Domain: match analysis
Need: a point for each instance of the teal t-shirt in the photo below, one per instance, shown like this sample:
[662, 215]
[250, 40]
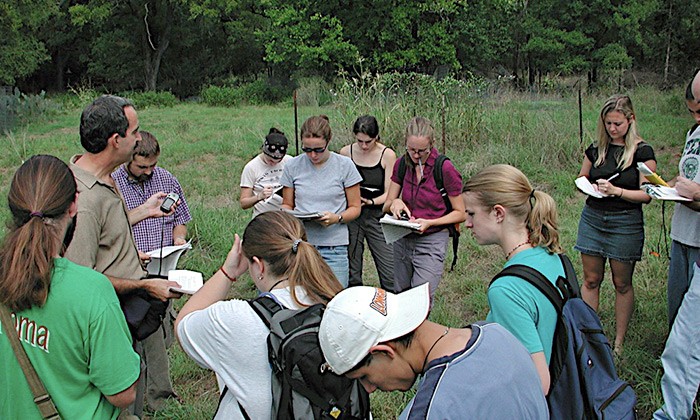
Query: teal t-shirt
[78, 343]
[521, 308]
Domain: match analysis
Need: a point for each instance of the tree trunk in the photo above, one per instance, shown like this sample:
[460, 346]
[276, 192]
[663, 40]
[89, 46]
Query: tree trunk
[60, 82]
[155, 44]
[668, 41]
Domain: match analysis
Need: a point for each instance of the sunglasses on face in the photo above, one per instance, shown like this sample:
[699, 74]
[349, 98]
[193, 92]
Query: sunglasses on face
[314, 149]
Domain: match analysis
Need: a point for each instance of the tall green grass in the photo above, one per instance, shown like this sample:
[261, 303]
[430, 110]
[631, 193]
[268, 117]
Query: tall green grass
[206, 148]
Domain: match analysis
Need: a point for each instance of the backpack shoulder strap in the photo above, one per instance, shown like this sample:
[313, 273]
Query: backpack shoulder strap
[536, 279]
[439, 178]
[266, 306]
[569, 286]
[402, 169]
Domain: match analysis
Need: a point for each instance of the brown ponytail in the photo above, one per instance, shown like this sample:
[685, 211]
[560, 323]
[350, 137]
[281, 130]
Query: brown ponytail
[41, 193]
[280, 240]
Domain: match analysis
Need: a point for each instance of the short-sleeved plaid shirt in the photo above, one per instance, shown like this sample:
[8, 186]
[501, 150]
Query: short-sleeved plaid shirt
[147, 233]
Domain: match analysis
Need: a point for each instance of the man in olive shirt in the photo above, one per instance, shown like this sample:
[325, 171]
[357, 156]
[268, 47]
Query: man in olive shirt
[103, 239]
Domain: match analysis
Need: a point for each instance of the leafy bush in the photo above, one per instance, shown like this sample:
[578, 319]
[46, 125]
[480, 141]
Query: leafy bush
[221, 96]
[264, 91]
[258, 92]
[162, 99]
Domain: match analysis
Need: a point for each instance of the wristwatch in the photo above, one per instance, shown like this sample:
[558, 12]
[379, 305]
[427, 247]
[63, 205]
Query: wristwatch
[340, 218]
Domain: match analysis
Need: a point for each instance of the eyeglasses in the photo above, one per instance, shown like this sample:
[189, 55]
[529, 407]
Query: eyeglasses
[314, 149]
[417, 152]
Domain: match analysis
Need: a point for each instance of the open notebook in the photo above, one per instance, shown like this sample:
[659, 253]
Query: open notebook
[170, 255]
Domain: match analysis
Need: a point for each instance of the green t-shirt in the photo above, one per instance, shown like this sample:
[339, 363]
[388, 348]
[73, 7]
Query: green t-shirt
[78, 343]
[521, 308]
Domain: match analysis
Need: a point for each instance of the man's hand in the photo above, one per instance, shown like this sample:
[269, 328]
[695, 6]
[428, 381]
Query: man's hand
[160, 288]
[151, 208]
[145, 259]
[177, 241]
[152, 205]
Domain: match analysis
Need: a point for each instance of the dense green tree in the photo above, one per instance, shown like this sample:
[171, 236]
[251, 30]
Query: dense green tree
[183, 45]
[300, 38]
[21, 50]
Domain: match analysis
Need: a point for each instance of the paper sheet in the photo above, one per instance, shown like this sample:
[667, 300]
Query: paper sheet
[583, 184]
[660, 192]
[395, 229]
[304, 216]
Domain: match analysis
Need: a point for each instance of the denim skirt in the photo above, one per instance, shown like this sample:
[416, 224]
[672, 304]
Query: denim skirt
[617, 235]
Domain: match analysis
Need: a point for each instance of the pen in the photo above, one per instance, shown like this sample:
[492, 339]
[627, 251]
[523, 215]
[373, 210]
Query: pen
[613, 177]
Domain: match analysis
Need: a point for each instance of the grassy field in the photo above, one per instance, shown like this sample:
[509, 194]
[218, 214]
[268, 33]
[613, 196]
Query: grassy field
[207, 147]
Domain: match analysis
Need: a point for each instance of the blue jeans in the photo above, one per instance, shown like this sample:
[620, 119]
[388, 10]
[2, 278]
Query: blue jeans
[680, 274]
[337, 259]
[681, 357]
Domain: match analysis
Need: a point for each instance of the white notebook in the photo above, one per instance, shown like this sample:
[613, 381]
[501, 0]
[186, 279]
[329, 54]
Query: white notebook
[189, 281]
[170, 254]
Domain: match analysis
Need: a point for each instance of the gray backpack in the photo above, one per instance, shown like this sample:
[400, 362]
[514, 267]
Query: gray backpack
[301, 389]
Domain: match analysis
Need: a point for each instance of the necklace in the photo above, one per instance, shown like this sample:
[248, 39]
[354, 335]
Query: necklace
[277, 284]
[425, 361]
[508, 255]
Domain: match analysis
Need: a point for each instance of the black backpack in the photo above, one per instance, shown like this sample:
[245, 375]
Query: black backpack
[301, 389]
[440, 184]
[584, 383]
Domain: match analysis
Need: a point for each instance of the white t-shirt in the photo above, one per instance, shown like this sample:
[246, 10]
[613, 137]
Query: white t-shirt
[258, 175]
[229, 338]
[685, 224]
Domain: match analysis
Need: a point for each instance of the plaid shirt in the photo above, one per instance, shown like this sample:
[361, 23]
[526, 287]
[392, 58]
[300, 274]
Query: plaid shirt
[147, 232]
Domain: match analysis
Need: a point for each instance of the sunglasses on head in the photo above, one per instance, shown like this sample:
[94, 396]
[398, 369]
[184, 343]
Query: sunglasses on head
[314, 149]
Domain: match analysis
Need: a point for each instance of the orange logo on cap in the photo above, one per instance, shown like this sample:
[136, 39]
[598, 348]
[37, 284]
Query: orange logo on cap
[379, 301]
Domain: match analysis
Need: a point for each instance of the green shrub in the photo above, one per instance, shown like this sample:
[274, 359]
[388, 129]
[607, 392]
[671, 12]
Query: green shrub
[162, 99]
[221, 96]
[263, 91]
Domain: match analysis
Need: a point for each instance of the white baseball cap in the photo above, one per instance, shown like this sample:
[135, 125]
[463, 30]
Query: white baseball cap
[359, 318]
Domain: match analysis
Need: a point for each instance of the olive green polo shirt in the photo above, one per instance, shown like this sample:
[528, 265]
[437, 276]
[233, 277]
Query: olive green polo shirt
[103, 239]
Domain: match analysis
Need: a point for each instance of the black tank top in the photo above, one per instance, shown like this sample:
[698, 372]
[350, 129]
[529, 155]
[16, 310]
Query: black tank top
[372, 185]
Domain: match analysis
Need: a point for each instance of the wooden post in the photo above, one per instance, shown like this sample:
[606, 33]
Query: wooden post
[296, 123]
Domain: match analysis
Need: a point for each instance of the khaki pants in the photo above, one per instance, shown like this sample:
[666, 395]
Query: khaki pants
[154, 386]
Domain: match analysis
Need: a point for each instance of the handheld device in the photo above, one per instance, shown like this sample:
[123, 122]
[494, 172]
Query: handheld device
[168, 202]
